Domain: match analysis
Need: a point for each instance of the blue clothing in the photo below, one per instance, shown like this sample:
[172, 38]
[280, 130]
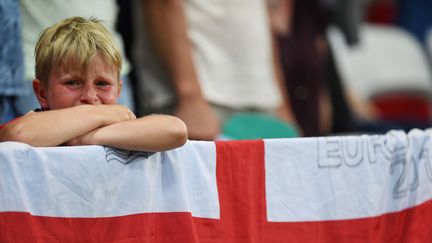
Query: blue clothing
[415, 16]
[11, 59]
[7, 110]
[11, 55]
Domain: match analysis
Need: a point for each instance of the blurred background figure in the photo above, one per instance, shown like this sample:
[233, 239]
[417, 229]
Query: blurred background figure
[345, 75]
[38, 15]
[348, 15]
[206, 61]
[303, 52]
[11, 59]
[349, 110]
[386, 73]
[319, 99]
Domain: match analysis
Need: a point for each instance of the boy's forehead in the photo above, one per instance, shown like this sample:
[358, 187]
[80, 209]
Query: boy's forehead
[72, 69]
[77, 67]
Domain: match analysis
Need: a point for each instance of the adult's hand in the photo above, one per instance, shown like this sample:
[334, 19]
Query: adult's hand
[201, 121]
[285, 114]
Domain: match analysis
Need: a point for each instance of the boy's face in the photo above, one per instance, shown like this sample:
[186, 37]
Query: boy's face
[70, 86]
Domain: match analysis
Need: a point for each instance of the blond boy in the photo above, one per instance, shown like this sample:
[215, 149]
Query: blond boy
[77, 85]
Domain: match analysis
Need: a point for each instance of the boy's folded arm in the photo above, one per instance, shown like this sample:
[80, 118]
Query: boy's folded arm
[55, 127]
[150, 133]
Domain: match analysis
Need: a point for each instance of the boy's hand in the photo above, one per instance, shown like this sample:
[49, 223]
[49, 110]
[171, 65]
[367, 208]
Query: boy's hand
[84, 139]
[73, 142]
[111, 114]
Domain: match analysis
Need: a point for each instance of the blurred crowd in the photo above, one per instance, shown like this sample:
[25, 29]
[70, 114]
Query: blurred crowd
[208, 62]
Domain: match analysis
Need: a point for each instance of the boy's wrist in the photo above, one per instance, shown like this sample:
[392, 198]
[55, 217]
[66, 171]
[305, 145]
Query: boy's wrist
[88, 138]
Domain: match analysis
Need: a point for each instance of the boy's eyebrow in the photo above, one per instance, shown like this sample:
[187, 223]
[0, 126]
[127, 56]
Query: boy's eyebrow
[70, 75]
[106, 78]
[64, 76]
[74, 71]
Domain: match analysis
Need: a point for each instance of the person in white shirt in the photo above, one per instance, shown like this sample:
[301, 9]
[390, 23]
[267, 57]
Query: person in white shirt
[206, 61]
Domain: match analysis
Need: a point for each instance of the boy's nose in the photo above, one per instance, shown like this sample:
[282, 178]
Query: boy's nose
[89, 96]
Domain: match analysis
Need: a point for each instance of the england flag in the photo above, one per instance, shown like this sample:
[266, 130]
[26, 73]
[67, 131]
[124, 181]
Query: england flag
[314, 190]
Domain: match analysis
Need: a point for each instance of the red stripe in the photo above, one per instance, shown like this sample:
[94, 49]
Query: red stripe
[150, 227]
[410, 225]
[241, 186]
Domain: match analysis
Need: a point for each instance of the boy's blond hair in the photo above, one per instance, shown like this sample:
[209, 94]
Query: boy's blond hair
[74, 41]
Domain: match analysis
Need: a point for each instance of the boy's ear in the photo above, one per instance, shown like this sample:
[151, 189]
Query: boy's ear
[40, 92]
[120, 87]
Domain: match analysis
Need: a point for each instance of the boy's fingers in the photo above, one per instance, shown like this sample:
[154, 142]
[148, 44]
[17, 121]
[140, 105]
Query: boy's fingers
[131, 115]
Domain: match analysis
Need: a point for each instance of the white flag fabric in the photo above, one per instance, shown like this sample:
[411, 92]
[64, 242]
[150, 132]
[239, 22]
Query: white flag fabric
[347, 177]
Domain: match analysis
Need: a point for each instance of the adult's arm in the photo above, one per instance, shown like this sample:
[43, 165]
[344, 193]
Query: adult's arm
[280, 14]
[167, 26]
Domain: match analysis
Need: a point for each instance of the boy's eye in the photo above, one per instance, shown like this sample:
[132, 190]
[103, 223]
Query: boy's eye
[103, 83]
[73, 82]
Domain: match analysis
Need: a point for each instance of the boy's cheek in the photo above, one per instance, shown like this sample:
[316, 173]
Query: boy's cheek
[109, 99]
